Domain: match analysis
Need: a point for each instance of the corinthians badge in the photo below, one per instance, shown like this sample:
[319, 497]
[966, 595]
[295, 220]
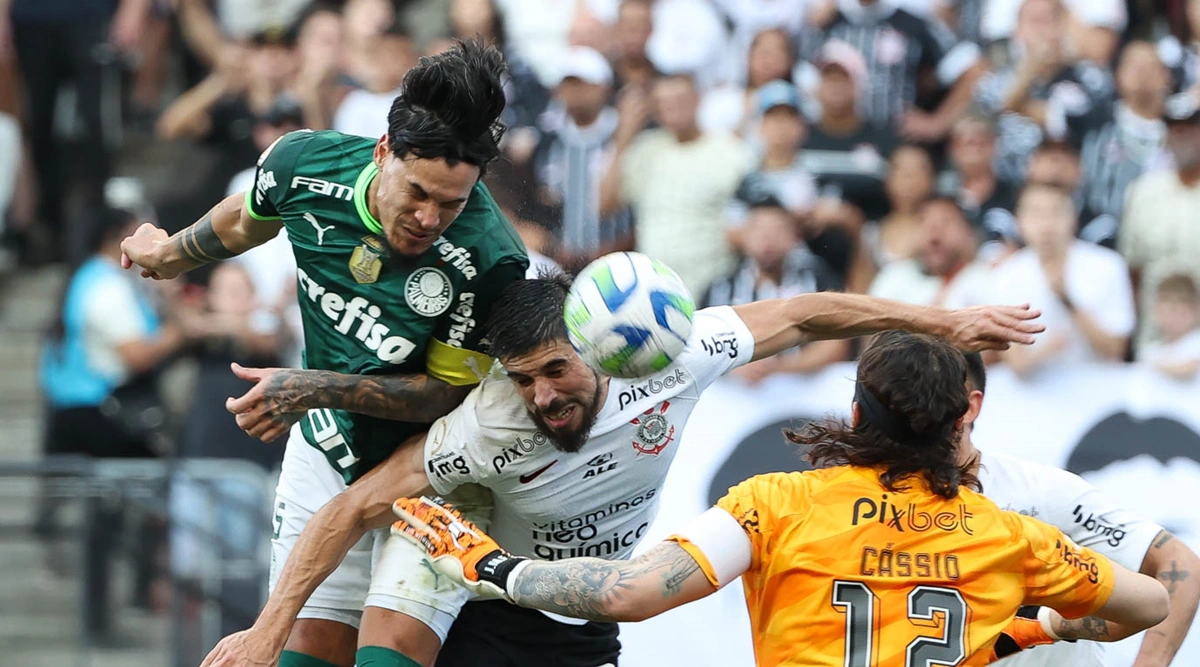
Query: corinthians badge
[654, 432]
[365, 261]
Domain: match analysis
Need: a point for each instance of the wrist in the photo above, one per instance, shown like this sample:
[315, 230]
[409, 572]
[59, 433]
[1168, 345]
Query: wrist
[500, 569]
[1046, 618]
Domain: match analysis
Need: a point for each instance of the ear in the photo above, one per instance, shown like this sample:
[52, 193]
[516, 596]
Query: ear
[382, 149]
[974, 406]
[854, 414]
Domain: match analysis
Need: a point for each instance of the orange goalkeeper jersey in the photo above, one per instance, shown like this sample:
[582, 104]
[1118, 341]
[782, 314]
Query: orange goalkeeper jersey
[847, 574]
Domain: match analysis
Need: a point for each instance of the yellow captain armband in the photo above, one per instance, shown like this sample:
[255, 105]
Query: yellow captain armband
[455, 365]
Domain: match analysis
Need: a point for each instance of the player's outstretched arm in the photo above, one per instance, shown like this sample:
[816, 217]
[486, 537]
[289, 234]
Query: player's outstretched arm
[281, 395]
[322, 545]
[663, 578]
[779, 324]
[225, 231]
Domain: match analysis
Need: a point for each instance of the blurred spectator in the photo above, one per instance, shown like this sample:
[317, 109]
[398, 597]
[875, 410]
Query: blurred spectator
[734, 107]
[749, 18]
[987, 200]
[847, 156]
[689, 38]
[909, 182]
[1039, 78]
[364, 111]
[319, 47]
[1182, 54]
[363, 21]
[678, 180]
[1093, 27]
[896, 45]
[98, 375]
[964, 17]
[780, 173]
[1159, 234]
[635, 24]
[59, 43]
[219, 520]
[778, 265]
[240, 19]
[1177, 317]
[1118, 142]
[945, 271]
[572, 156]
[1082, 289]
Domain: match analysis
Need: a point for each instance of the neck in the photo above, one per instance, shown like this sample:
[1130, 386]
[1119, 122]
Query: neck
[967, 453]
[1189, 176]
[1148, 110]
[778, 157]
[585, 118]
[687, 135]
[372, 198]
[840, 125]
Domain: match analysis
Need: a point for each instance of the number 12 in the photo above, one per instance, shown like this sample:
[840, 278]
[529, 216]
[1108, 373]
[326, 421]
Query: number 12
[857, 602]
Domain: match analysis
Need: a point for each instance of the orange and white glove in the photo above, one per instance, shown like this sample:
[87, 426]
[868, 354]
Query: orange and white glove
[456, 546]
[1026, 630]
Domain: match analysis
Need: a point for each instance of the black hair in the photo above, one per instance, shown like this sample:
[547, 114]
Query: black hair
[528, 314]
[917, 385]
[937, 197]
[449, 106]
[1057, 146]
[976, 371]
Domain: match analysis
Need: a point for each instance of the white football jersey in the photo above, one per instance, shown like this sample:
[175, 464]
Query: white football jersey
[600, 500]
[1084, 514]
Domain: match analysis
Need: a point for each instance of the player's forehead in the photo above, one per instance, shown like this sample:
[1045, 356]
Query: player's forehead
[544, 359]
[438, 178]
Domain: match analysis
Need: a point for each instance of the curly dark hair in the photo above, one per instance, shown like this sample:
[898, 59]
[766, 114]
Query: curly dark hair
[920, 382]
[528, 314]
[449, 106]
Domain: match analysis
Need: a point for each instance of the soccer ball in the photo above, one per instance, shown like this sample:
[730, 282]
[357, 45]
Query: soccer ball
[628, 316]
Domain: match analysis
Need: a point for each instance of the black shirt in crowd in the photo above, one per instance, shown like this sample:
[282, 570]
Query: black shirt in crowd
[851, 167]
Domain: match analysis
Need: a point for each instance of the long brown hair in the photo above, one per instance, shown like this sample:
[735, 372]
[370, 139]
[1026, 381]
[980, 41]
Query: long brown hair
[911, 393]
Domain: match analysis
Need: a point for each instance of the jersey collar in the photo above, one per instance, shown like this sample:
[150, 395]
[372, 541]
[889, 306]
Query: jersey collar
[368, 174]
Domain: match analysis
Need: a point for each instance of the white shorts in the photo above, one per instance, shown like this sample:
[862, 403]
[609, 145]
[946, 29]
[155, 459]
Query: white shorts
[404, 579]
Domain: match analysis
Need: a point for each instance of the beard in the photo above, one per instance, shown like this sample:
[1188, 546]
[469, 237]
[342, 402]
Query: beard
[571, 441]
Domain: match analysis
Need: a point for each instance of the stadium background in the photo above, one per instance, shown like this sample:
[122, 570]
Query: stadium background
[748, 187]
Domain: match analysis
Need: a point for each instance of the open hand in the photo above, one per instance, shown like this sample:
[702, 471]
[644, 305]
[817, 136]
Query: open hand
[270, 407]
[992, 327]
[243, 649]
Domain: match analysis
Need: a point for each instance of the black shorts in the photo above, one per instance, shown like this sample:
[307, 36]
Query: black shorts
[494, 633]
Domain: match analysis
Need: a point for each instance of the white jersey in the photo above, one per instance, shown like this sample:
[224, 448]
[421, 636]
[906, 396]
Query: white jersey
[1084, 514]
[599, 501]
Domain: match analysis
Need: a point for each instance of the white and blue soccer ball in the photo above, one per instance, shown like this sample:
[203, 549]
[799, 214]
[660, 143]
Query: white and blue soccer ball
[628, 315]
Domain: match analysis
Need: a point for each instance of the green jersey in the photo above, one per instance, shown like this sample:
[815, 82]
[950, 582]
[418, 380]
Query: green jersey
[367, 310]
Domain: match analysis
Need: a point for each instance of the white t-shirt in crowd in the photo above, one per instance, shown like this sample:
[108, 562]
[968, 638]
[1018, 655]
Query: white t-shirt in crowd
[1082, 512]
[1181, 351]
[906, 281]
[1096, 281]
[364, 114]
[678, 193]
[112, 317]
[599, 501]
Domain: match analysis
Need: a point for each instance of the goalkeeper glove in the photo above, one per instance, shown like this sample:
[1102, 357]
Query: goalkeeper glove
[1023, 631]
[456, 547]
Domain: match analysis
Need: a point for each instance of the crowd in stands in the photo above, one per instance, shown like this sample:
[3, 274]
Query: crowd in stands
[941, 152]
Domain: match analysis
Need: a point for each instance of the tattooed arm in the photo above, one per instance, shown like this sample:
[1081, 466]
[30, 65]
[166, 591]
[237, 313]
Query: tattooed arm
[1178, 568]
[281, 395]
[611, 590]
[1175, 566]
[225, 231]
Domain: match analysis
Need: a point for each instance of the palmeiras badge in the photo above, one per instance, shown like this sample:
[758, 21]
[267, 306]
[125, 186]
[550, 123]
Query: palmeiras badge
[365, 261]
[654, 432]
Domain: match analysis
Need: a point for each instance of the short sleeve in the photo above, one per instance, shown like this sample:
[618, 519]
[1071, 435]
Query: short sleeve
[455, 353]
[1112, 291]
[1074, 581]
[757, 503]
[720, 342]
[1091, 519]
[941, 49]
[272, 175]
[635, 169]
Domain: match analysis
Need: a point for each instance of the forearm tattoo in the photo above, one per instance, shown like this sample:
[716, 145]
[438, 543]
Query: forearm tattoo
[200, 243]
[411, 398]
[1089, 628]
[593, 589]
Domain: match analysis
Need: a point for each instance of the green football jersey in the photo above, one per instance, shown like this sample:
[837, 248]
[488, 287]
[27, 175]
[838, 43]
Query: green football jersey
[367, 310]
